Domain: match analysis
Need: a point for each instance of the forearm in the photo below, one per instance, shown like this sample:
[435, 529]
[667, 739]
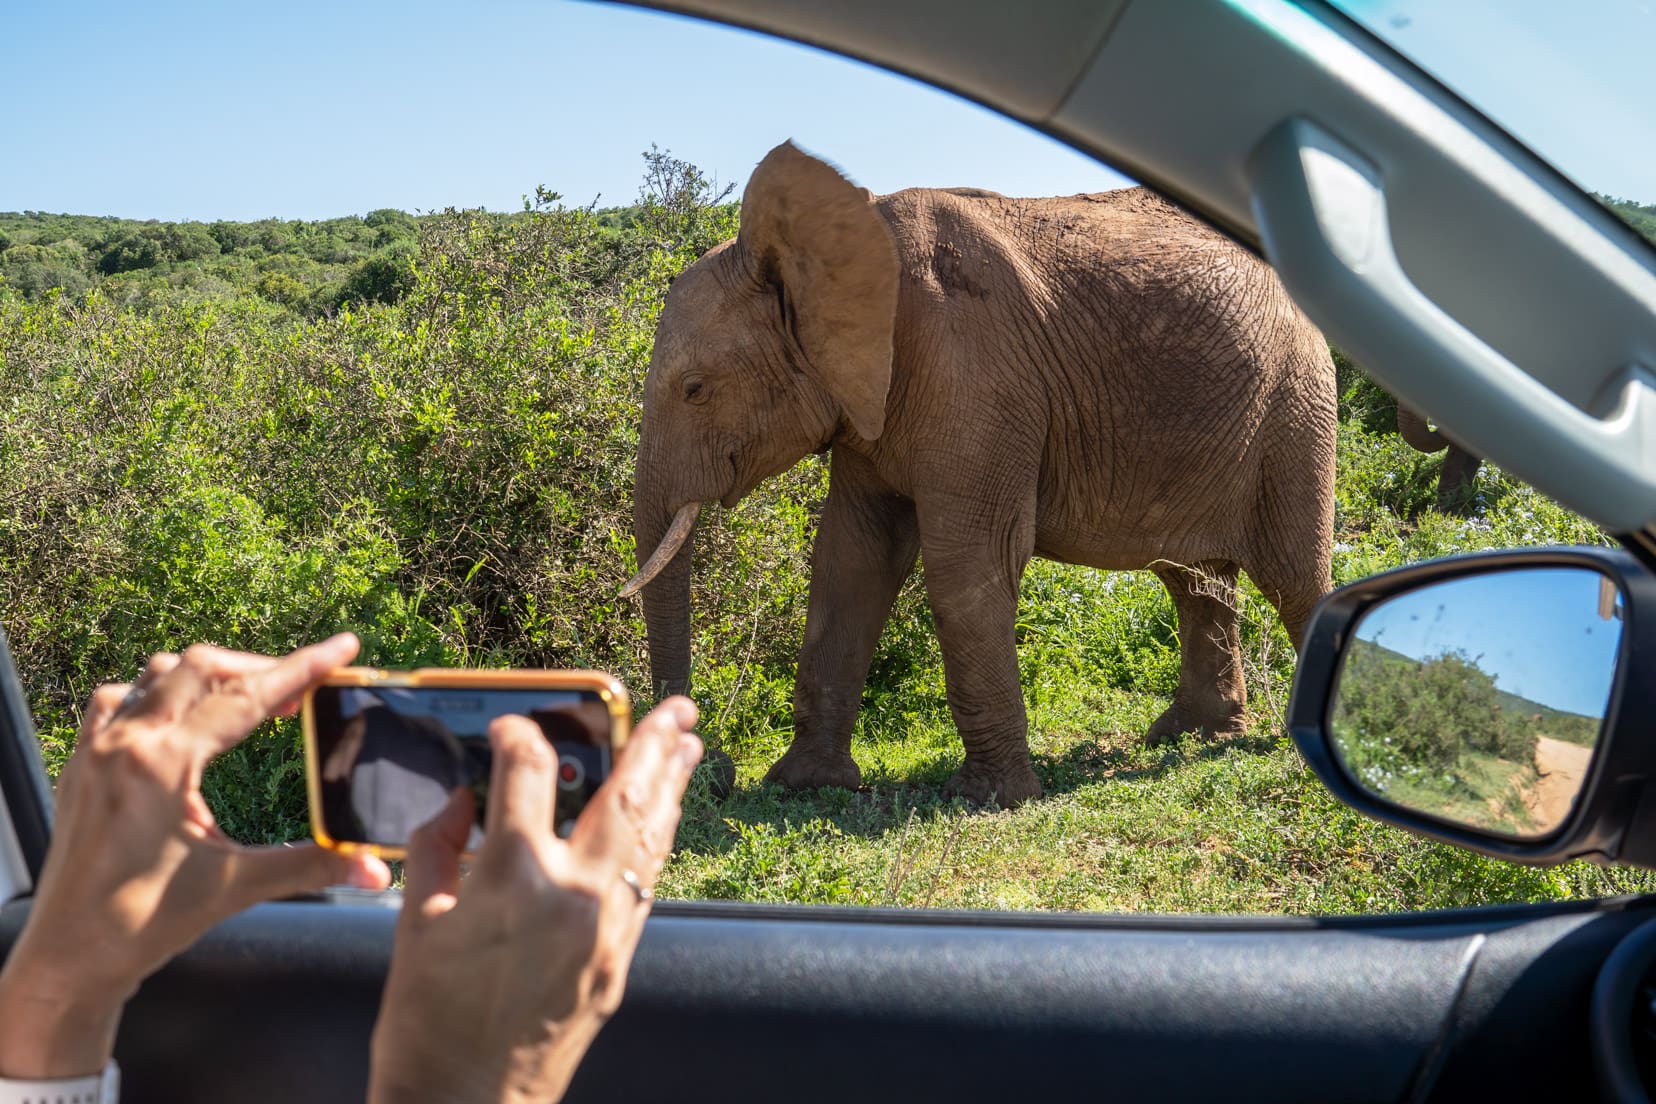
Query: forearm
[460, 1071]
[47, 1031]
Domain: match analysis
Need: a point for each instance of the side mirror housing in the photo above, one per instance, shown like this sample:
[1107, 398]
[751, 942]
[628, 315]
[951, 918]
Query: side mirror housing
[1498, 701]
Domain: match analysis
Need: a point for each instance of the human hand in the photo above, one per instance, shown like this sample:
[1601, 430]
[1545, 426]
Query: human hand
[499, 983]
[138, 869]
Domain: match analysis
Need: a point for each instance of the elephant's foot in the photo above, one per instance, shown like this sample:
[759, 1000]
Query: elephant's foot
[720, 770]
[809, 769]
[1216, 719]
[984, 783]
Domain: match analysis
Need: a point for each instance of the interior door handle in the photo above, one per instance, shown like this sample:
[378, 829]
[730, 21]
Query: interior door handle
[1322, 214]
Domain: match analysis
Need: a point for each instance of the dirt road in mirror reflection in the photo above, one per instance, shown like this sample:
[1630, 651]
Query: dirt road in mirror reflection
[1563, 769]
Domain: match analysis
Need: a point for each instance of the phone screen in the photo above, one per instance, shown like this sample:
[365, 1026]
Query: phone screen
[387, 758]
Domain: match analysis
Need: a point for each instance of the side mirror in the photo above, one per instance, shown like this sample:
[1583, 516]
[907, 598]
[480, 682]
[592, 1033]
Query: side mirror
[1498, 701]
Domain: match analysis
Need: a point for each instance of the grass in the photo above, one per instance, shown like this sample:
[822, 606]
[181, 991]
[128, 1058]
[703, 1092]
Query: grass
[1487, 791]
[1236, 825]
[1224, 826]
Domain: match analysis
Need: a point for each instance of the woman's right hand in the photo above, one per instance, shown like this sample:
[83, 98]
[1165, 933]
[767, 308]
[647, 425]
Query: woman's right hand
[499, 982]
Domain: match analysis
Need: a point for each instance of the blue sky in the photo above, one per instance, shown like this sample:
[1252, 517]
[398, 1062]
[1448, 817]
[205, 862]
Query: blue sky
[1538, 632]
[186, 109]
[178, 110]
[305, 110]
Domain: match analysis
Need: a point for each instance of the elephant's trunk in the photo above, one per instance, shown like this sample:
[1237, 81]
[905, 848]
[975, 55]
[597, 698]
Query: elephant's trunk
[1412, 427]
[665, 581]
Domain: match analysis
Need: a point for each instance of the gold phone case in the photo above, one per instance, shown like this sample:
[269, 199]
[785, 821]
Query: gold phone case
[606, 686]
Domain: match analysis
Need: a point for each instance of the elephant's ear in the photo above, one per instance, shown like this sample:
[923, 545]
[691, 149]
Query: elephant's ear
[819, 238]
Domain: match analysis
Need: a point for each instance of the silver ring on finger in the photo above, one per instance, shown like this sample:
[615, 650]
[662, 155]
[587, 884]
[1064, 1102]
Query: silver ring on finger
[633, 882]
[133, 699]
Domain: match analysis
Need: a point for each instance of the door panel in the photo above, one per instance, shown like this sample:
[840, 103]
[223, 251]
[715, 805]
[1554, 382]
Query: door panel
[744, 1004]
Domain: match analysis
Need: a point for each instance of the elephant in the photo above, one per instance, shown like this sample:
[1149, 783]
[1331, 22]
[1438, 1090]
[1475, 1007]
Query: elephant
[1099, 379]
[1460, 467]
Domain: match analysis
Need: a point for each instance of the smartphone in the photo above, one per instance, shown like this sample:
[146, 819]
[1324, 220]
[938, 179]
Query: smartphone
[385, 749]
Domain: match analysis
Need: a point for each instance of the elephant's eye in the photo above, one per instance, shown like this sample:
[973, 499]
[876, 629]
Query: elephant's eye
[695, 391]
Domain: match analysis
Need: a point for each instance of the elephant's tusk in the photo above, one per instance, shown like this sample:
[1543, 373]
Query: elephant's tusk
[677, 533]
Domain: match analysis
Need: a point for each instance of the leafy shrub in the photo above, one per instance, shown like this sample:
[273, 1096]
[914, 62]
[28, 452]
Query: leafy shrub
[1419, 720]
[281, 288]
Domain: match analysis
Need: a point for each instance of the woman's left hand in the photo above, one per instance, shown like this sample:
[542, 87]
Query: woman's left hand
[138, 869]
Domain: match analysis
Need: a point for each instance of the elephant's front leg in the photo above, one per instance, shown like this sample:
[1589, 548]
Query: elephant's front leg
[865, 547]
[972, 582]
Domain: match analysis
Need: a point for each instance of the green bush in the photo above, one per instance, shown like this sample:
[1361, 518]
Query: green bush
[1420, 720]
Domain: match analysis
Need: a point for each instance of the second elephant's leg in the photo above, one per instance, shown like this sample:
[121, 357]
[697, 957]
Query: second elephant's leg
[865, 547]
[1211, 699]
[973, 589]
[1457, 483]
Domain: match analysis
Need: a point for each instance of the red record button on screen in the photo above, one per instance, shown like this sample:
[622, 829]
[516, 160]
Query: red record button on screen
[570, 772]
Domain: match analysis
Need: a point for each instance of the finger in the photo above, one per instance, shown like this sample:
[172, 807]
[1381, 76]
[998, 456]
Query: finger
[432, 868]
[270, 873]
[655, 738]
[287, 708]
[658, 823]
[680, 709]
[159, 664]
[263, 686]
[172, 685]
[290, 706]
[105, 702]
[131, 700]
[367, 872]
[198, 815]
[653, 841]
[522, 786]
[635, 817]
[298, 671]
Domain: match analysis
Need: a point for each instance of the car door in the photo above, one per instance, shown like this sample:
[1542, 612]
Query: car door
[1289, 127]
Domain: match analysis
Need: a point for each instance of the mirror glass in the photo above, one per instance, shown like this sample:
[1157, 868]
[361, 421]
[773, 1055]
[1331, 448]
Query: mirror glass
[1479, 700]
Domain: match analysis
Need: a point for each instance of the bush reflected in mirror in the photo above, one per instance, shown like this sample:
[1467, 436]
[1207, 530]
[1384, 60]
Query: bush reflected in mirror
[1479, 700]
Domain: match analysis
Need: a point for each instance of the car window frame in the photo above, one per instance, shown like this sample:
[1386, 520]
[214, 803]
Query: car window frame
[25, 789]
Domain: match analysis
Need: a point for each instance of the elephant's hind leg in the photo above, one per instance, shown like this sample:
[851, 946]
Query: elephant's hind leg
[1211, 699]
[865, 547]
[1293, 588]
[1458, 480]
[1290, 555]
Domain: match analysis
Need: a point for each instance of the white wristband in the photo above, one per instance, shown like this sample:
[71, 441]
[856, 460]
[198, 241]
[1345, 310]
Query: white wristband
[100, 1088]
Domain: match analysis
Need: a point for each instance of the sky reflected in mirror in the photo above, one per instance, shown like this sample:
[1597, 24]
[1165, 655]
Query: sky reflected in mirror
[1542, 633]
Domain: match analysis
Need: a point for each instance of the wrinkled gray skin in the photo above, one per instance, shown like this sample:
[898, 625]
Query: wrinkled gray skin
[1460, 467]
[1098, 379]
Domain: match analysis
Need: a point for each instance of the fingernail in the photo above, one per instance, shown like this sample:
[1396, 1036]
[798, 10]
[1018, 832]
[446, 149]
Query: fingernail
[369, 874]
[686, 713]
[689, 752]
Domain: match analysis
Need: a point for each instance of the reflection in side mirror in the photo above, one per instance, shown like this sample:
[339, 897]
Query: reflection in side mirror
[1480, 700]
